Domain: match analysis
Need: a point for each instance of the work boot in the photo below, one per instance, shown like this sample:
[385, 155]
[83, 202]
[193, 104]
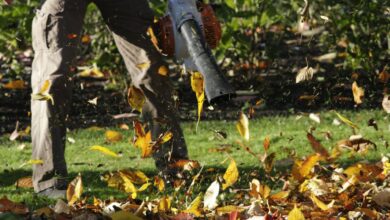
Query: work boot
[53, 193]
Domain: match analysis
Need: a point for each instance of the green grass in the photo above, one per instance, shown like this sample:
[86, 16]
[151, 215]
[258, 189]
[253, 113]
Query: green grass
[287, 134]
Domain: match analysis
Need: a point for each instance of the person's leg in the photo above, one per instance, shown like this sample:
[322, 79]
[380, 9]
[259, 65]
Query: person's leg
[55, 33]
[128, 20]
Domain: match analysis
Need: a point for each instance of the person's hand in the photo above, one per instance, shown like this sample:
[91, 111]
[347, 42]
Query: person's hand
[8, 2]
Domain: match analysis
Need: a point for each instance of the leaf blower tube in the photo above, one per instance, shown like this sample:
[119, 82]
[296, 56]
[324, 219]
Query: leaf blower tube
[217, 88]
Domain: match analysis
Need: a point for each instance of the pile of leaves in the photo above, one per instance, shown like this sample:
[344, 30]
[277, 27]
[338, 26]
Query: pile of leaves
[316, 186]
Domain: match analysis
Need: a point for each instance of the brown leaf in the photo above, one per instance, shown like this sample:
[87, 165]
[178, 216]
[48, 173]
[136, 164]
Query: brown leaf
[266, 143]
[24, 182]
[16, 84]
[269, 161]
[317, 146]
[363, 172]
[7, 205]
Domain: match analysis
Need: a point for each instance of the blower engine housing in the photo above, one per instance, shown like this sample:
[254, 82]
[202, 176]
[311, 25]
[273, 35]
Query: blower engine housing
[210, 26]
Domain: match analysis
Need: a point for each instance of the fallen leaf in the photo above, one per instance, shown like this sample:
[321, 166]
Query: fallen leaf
[197, 85]
[7, 205]
[194, 207]
[320, 204]
[74, 191]
[282, 195]
[210, 197]
[258, 190]
[326, 58]
[229, 209]
[266, 143]
[136, 98]
[295, 214]
[382, 198]
[386, 103]
[185, 164]
[113, 136]
[104, 150]
[93, 101]
[358, 93]
[315, 117]
[304, 74]
[24, 182]
[269, 161]
[124, 215]
[363, 172]
[164, 204]
[243, 126]
[317, 146]
[231, 175]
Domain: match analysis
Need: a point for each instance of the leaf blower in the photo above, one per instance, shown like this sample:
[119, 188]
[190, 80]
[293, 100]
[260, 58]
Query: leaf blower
[188, 32]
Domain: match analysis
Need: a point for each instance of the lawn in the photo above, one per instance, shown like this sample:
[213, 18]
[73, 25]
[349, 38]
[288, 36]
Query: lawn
[287, 135]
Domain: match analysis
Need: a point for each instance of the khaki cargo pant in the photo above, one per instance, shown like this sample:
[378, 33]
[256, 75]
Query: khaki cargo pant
[128, 21]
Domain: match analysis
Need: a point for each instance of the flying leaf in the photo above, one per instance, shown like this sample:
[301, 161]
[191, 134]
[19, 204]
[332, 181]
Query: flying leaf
[136, 98]
[104, 150]
[194, 207]
[243, 126]
[43, 94]
[15, 134]
[185, 164]
[197, 85]
[113, 136]
[74, 191]
[346, 121]
[295, 214]
[320, 204]
[358, 93]
[16, 84]
[386, 103]
[93, 101]
[136, 177]
[269, 161]
[129, 187]
[210, 197]
[143, 140]
[317, 146]
[231, 175]
[304, 74]
[163, 70]
[301, 169]
[35, 162]
[266, 143]
[143, 66]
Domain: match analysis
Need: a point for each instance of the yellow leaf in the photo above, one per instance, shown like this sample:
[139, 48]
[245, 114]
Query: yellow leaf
[43, 97]
[144, 187]
[75, 189]
[104, 150]
[165, 204]
[143, 66]
[346, 121]
[243, 126]
[197, 85]
[363, 172]
[16, 84]
[358, 93]
[280, 195]
[229, 209]
[128, 185]
[301, 169]
[93, 72]
[258, 190]
[35, 162]
[136, 177]
[295, 214]
[320, 204]
[145, 144]
[123, 215]
[159, 183]
[136, 98]
[163, 70]
[113, 136]
[194, 207]
[166, 137]
[231, 175]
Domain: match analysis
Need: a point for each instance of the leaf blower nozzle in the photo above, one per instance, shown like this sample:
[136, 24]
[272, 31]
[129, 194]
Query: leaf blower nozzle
[187, 33]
